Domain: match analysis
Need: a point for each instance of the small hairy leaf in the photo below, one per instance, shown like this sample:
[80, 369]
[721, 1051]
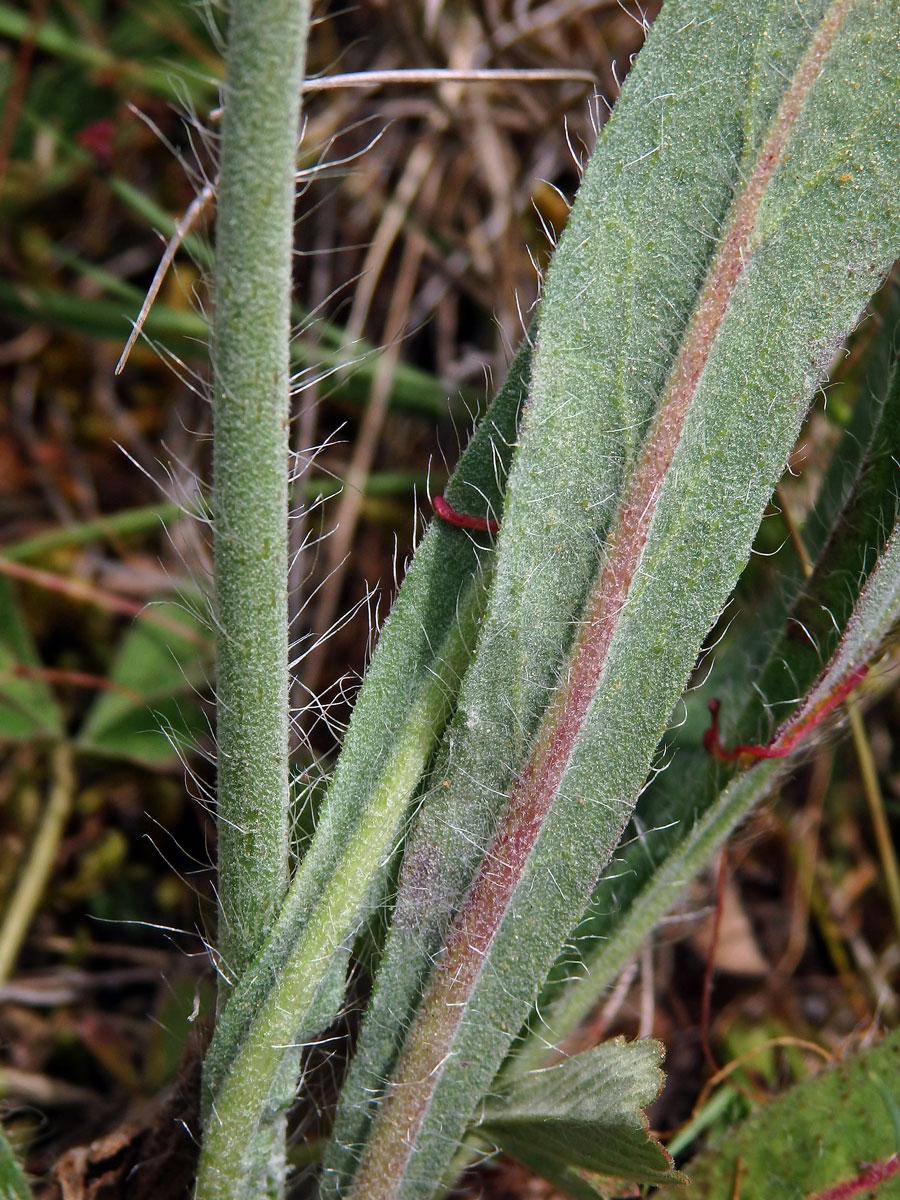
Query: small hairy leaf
[585, 1113]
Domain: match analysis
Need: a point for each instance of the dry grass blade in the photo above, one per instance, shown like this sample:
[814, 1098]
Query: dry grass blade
[182, 228]
[438, 75]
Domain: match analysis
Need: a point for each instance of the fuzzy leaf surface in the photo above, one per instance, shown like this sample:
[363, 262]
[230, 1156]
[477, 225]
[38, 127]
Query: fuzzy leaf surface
[711, 267]
[762, 670]
[586, 1112]
[699, 813]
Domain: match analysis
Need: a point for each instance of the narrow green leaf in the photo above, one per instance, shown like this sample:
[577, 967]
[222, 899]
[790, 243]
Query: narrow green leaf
[820, 1133]
[181, 329]
[120, 524]
[185, 333]
[153, 713]
[28, 708]
[150, 517]
[762, 670]
[53, 38]
[586, 1112]
[694, 304]
[701, 815]
[871, 431]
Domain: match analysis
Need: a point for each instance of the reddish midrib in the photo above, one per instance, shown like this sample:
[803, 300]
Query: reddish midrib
[431, 1039]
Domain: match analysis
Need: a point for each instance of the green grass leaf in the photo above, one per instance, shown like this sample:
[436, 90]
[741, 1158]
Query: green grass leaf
[28, 708]
[184, 333]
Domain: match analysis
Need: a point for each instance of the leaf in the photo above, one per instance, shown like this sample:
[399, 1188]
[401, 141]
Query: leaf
[818, 1134]
[585, 1113]
[686, 811]
[28, 708]
[13, 1184]
[731, 225]
[703, 814]
[580, 1185]
[153, 714]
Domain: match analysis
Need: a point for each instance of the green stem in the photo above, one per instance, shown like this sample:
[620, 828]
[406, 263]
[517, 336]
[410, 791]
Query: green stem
[265, 66]
[280, 1002]
[264, 76]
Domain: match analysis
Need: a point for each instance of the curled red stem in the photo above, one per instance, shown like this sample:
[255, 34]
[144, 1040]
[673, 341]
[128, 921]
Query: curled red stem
[783, 743]
[463, 520]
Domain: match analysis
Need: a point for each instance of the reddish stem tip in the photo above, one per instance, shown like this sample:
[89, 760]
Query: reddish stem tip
[447, 513]
[782, 746]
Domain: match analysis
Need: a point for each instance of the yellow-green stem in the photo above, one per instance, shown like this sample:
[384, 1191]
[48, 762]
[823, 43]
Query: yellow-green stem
[36, 871]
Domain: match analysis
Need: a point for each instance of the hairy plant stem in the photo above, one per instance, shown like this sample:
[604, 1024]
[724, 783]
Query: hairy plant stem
[254, 236]
[265, 68]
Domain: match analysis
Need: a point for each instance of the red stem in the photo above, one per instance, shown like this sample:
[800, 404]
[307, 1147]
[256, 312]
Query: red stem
[463, 520]
[790, 735]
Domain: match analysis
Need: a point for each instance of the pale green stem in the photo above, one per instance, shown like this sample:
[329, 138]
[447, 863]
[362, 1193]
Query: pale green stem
[265, 66]
[251, 333]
